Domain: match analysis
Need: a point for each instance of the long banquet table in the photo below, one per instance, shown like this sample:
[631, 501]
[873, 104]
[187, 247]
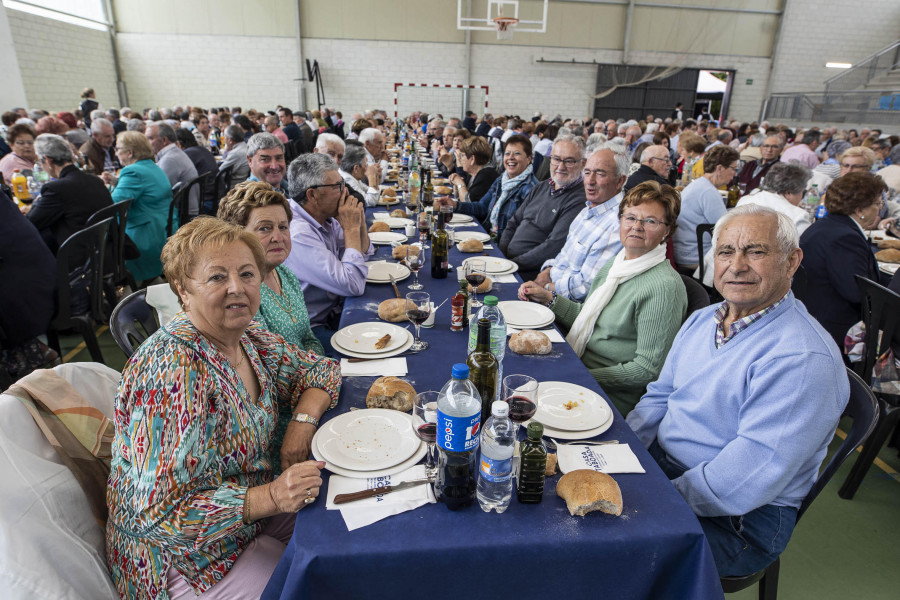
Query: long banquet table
[655, 549]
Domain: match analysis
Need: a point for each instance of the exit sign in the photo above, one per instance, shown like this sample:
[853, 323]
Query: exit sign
[749, 82]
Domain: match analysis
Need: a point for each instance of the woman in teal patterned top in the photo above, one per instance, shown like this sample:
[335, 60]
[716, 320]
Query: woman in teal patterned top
[263, 211]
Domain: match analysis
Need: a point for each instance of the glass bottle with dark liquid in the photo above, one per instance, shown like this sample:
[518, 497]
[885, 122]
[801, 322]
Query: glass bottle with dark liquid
[440, 247]
[428, 191]
[484, 368]
[530, 484]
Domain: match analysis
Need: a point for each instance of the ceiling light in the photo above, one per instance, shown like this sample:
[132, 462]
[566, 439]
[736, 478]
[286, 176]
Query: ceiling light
[837, 65]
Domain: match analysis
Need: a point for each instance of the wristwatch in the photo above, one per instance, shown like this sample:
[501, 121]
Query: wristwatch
[305, 418]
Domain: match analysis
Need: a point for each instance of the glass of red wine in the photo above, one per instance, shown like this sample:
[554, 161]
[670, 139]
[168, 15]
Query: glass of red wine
[414, 262]
[418, 309]
[423, 222]
[475, 275]
[521, 393]
[424, 424]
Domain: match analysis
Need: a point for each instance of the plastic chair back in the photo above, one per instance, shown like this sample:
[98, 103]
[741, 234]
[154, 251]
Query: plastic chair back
[222, 185]
[880, 312]
[798, 283]
[119, 212]
[181, 202]
[696, 295]
[131, 312]
[703, 229]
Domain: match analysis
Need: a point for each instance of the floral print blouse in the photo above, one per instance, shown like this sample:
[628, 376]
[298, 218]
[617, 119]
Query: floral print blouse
[189, 442]
[286, 314]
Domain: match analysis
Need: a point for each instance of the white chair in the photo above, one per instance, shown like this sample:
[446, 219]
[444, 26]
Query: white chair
[50, 544]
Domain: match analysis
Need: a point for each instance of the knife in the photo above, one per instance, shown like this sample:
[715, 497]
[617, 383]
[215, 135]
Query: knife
[394, 283]
[384, 489]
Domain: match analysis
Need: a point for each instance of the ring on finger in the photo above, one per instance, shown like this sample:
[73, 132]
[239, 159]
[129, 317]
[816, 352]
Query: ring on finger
[309, 497]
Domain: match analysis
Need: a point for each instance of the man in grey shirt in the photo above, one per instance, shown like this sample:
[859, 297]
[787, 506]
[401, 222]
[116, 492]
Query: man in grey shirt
[236, 155]
[177, 166]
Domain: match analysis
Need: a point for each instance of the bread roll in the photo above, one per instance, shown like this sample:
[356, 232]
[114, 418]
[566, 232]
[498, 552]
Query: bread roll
[550, 467]
[394, 309]
[585, 491]
[470, 245]
[485, 286]
[399, 213]
[392, 393]
[389, 192]
[379, 226]
[886, 244]
[530, 342]
[442, 190]
[891, 255]
[399, 253]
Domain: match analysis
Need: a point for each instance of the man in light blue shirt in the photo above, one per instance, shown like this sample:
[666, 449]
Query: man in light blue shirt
[749, 397]
[594, 234]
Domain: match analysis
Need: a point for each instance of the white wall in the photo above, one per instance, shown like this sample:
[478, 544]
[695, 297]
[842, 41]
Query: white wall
[58, 60]
[818, 31]
[208, 70]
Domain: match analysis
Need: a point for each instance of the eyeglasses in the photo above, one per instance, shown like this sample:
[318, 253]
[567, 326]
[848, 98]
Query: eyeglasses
[648, 223]
[24, 143]
[512, 153]
[569, 162]
[770, 146]
[339, 184]
[843, 166]
[665, 160]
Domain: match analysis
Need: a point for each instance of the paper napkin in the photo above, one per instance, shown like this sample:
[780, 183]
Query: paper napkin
[370, 510]
[610, 458]
[374, 368]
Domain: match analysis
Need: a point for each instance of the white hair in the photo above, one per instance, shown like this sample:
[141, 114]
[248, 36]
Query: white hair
[620, 156]
[329, 138]
[368, 135]
[652, 127]
[787, 236]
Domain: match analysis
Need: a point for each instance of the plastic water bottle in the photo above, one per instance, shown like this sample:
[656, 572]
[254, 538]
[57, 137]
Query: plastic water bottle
[491, 311]
[812, 200]
[458, 427]
[498, 441]
[40, 175]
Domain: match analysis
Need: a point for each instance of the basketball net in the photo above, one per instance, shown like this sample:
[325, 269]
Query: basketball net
[506, 26]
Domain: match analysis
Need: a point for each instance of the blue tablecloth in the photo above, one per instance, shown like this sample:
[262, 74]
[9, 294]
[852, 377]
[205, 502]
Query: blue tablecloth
[655, 549]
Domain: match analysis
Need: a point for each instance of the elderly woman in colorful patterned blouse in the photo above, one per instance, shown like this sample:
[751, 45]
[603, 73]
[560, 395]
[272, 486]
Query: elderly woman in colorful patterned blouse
[197, 506]
[263, 211]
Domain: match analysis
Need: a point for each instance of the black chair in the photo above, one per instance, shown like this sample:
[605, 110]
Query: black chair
[92, 242]
[696, 295]
[130, 313]
[703, 229]
[880, 313]
[222, 185]
[862, 409]
[798, 283]
[181, 201]
[117, 273]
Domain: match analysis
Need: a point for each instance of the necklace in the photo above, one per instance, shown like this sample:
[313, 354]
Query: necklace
[290, 305]
[241, 361]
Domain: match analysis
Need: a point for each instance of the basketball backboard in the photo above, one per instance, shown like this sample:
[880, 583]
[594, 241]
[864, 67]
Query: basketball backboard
[502, 16]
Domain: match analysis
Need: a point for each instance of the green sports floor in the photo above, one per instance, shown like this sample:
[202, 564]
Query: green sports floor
[840, 550]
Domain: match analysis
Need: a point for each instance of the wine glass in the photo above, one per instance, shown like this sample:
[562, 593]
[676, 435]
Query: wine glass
[521, 393]
[475, 275]
[418, 309]
[414, 262]
[424, 223]
[424, 424]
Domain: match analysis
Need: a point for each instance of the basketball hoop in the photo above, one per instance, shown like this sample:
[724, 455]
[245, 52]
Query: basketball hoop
[506, 26]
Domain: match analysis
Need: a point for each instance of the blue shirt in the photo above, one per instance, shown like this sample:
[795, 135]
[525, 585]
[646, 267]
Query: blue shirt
[750, 421]
[700, 203]
[593, 240]
[282, 186]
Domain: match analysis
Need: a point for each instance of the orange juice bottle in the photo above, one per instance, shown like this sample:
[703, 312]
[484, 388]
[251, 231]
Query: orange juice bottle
[20, 187]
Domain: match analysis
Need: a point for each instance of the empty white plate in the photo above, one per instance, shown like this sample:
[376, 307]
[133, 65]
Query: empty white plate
[471, 235]
[570, 407]
[560, 434]
[525, 315]
[496, 266]
[460, 218]
[362, 337]
[380, 271]
[366, 440]
[386, 237]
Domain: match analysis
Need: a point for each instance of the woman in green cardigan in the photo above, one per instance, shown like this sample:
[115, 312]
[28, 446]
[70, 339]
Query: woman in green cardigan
[636, 304]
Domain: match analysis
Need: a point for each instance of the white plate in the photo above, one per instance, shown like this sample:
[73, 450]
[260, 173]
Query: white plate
[398, 222]
[495, 266]
[589, 411]
[354, 354]
[876, 235]
[889, 268]
[361, 337]
[367, 440]
[524, 315]
[460, 218]
[559, 434]
[386, 237]
[380, 271]
[471, 235]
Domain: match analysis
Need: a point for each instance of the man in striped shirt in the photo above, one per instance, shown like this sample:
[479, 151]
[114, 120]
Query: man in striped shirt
[594, 234]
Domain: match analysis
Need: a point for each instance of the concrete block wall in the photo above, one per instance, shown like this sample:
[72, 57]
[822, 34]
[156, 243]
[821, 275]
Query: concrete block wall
[209, 70]
[58, 60]
[814, 33]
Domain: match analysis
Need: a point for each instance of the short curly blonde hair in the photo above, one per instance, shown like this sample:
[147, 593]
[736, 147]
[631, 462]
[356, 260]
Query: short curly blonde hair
[180, 254]
[236, 206]
[136, 143]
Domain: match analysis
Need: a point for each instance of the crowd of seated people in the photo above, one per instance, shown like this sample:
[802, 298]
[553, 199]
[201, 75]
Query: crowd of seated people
[600, 215]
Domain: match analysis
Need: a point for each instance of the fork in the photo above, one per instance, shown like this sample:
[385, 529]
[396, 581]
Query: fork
[553, 444]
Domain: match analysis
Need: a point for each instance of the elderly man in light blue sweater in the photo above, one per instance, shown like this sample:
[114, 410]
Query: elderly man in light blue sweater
[749, 397]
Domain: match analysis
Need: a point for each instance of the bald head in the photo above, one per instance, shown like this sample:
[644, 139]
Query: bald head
[657, 158]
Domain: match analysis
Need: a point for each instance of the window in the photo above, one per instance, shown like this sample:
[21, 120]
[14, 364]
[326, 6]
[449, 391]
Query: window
[86, 13]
